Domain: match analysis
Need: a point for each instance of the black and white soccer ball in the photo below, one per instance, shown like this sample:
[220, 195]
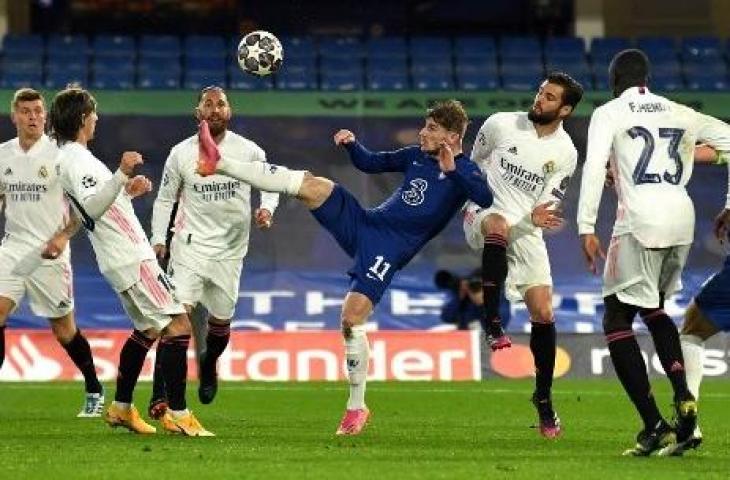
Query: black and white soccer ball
[260, 53]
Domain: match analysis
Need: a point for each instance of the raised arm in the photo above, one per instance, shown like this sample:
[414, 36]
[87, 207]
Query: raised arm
[96, 201]
[469, 178]
[372, 162]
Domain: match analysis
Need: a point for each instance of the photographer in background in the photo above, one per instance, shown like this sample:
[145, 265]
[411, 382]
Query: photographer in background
[466, 300]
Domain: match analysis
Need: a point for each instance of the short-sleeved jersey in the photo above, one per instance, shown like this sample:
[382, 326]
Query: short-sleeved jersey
[35, 208]
[214, 213]
[649, 141]
[523, 169]
[119, 242]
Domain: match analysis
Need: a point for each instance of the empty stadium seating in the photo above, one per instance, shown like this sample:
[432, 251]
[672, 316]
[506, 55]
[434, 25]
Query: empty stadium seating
[390, 63]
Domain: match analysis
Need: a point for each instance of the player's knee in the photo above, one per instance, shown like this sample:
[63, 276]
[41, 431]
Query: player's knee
[618, 315]
[6, 306]
[495, 225]
[697, 324]
[179, 325]
[63, 328]
[315, 190]
[543, 314]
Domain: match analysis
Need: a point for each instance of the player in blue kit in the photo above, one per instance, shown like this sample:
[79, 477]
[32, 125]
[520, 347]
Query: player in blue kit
[438, 179]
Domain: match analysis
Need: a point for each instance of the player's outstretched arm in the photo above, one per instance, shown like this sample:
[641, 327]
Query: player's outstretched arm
[371, 162]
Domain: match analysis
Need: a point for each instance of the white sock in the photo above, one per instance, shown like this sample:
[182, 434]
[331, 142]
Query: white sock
[357, 354]
[263, 176]
[122, 405]
[179, 413]
[693, 349]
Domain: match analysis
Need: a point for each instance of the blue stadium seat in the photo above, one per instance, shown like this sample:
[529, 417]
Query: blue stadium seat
[72, 60]
[565, 48]
[476, 66]
[298, 47]
[472, 81]
[666, 67]
[296, 80]
[300, 65]
[667, 82]
[23, 44]
[23, 62]
[658, 49]
[340, 66]
[523, 69]
[163, 46]
[432, 81]
[157, 80]
[384, 81]
[62, 45]
[114, 45]
[13, 79]
[239, 80]
[342, 82]
[574, 68]
[521, 82]
[113, 63]
[702, 47]
[197, 79]
[341, 47]
[111, 80]
[475, 47]
[59, 78]
[710, 83]
[518, 48]
[424, 47]
[386, 47]
[204, 63]
[168, 66]
[386, 65]
[204, 46]
[603, 49]
[423, 65]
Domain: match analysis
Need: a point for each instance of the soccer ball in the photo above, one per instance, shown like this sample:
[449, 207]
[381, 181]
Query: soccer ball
[260, 53]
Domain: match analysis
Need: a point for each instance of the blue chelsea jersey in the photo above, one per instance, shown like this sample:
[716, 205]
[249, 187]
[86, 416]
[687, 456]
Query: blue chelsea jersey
[428, 198]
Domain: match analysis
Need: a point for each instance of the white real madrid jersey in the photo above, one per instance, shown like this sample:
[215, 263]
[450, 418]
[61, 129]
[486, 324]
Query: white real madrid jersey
[214, 213]
[119, 242]
[523, 170]
[649, 141]
[35, 208]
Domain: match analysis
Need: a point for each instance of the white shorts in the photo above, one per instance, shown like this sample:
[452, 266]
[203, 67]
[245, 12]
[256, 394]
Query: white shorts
[214, 284]
[151, 301]
[49, 288]
[637, 274]
[528, 264]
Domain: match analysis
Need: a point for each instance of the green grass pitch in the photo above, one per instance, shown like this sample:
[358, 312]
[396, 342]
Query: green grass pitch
[418, 430]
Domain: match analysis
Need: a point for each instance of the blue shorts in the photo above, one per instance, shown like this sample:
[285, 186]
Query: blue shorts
[377, 250]
[714, 298]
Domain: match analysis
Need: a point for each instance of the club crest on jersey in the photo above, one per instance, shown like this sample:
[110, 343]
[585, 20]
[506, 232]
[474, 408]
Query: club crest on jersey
[88, 181]
[512, 150]
[8, 171]
[42, 172]
[549, 167]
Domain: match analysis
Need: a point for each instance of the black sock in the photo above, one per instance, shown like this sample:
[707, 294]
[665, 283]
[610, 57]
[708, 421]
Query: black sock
[80, 352]
[174, 353]
[216, 342]
[2, 345]
[543, 346]
[631, 370]
[494, 274]
[158, 379]
[669, 350]
[131, 360]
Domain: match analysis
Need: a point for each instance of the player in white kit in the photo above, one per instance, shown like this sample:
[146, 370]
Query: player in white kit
[126, 260]
[650, 142]
[211, 231]
[34, 211]
[528, 159]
